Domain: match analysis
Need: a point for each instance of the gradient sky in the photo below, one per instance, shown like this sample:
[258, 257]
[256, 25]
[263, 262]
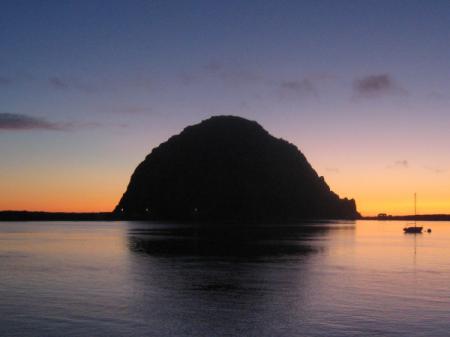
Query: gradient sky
[88, 88]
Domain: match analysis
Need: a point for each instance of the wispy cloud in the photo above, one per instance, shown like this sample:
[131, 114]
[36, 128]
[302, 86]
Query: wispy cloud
[231, 73]
[9, 121]
[101, 84]
[130, 110]
[300, 87]
[399, 164]
[18, 122]
[234, 74]
[435, 170]
[70, 83]
[186, 78]
[376, 85]
[59, 83]
[438, 96]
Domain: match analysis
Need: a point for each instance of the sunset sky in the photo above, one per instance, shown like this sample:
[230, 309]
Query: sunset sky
[88, 88]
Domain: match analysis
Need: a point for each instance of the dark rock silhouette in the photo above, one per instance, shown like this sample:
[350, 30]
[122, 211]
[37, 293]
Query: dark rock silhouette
[229, 169]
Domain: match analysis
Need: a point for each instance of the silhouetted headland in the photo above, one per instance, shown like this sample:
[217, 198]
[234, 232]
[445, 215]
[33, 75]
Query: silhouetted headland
[229, 169]
[54, 216]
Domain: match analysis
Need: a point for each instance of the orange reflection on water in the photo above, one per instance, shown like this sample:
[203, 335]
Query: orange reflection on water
[65, 241]
[377, 245]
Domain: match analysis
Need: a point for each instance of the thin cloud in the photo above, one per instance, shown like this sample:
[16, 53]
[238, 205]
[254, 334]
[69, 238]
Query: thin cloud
[399, 164]
[435, 170]
[253, 85]
[234, 74]
[376, 85]
[58, 83]
[438, 96]
[89, 86]
[214, 66]
[71, 126]
[9, 121]
[230, 73]
[186, 78]
[69, 83]
[131, 110]
[21, 122]
[301, 87]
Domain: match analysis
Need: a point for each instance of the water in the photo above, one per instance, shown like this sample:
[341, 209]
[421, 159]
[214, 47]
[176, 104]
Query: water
[363, 278]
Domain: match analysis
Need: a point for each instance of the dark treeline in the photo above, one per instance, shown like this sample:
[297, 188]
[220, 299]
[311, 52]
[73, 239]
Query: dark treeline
[53, 216]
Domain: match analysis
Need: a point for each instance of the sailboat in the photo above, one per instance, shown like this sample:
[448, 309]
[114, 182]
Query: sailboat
[414, 229]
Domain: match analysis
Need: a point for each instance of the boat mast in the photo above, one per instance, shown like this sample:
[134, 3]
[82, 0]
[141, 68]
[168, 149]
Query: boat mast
[415, 209]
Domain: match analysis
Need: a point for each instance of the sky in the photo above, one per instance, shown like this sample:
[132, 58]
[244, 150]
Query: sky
[88, 88]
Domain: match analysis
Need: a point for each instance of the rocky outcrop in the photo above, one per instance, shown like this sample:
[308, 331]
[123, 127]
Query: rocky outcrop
[228, 168]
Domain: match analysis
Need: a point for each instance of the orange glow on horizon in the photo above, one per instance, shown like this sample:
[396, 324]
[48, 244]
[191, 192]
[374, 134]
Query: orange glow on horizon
[391, 192]
[100, 194]
[97, 186]
[54, 192]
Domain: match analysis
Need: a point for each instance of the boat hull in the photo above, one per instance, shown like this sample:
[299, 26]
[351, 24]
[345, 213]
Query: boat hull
[413, 230]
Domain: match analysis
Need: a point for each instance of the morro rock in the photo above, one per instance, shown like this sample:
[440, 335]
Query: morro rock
[228, 168]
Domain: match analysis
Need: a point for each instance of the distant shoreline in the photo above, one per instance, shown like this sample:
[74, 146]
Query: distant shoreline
[420, 217]
[110, 216]
[55, 216]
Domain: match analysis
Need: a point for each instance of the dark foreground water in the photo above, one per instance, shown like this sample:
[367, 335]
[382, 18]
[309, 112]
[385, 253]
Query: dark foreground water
[147, 279]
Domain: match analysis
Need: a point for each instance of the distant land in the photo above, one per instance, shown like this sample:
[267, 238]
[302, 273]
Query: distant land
[418, 217]
[54, 216]
[110, 216]
[229, 169]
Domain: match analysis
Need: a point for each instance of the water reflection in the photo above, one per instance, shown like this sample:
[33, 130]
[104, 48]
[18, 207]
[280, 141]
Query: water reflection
[220, 259]
[223, 242]
[244, 280]
[140, 279]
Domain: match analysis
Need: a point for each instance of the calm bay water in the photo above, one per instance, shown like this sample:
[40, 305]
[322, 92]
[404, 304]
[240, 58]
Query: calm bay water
[363, 278]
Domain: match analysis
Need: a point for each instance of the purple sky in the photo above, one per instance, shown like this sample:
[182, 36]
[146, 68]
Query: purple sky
[87, 88]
